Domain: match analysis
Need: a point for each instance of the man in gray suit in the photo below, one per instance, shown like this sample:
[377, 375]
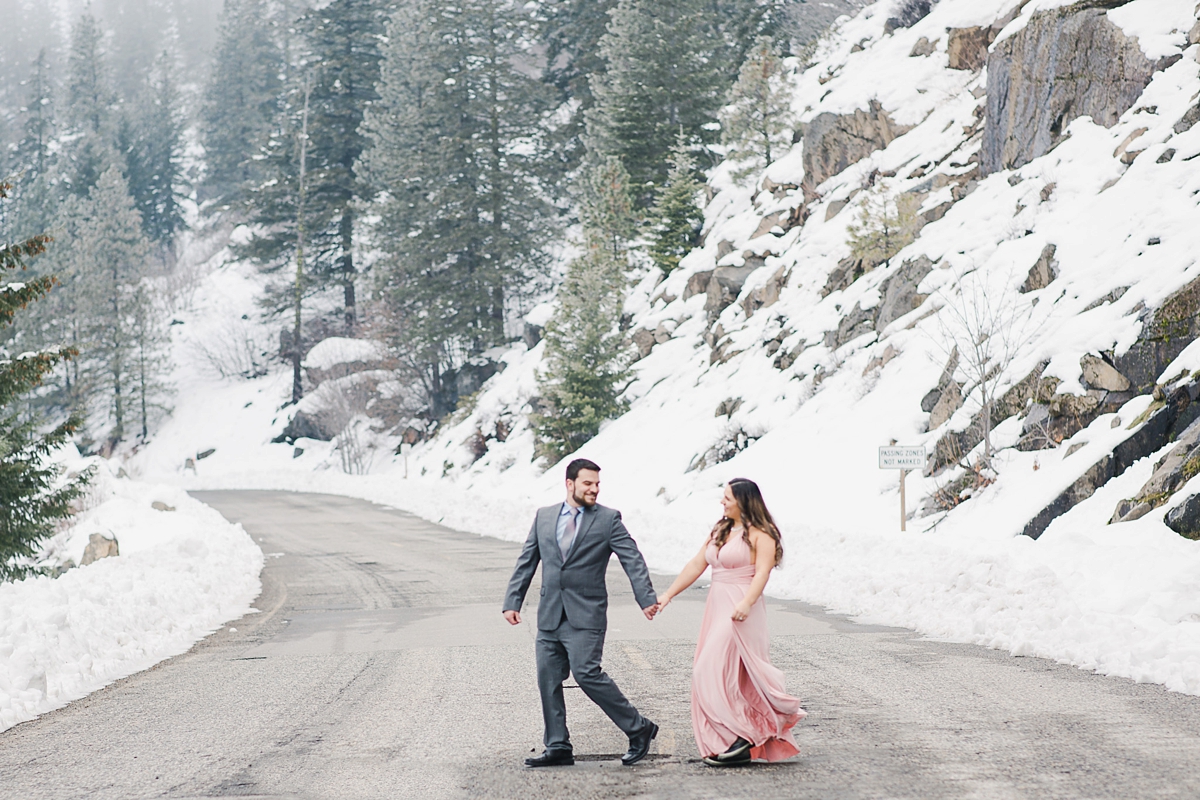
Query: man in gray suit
[573, 541]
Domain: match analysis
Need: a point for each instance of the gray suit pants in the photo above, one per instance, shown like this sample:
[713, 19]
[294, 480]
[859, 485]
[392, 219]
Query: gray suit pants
[567, 649]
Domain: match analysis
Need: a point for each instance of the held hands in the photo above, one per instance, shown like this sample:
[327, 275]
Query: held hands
[740, 611]
[513, 617]
[657, 608]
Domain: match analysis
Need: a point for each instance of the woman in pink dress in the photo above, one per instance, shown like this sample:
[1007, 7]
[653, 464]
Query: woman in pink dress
[740, 710]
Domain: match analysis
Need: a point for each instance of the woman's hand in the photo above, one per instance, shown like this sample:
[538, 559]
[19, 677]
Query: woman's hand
[664, 601]
[741, 611]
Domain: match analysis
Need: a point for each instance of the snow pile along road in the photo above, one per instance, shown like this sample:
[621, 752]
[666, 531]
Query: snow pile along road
[180, 575]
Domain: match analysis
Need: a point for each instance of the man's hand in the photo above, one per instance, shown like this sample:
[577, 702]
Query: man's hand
[650, 611]
[513, 617]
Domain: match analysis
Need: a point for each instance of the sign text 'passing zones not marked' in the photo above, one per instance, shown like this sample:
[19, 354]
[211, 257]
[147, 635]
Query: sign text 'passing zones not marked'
[903, 459]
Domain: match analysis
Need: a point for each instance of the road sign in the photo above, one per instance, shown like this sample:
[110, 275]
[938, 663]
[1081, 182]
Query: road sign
[905, 458]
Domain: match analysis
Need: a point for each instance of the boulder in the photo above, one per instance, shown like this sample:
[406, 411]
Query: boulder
[1083, 488]
[767, 294]
[1043, 272]
[767, 224]
[929, 401]
[949, 401]
[1190, 118]
[1163, 337]
[1067, 62]
[899, 291]
[725, 286]
[304, 426]
[338, 356]
[923, 47]
[880, 361]
[664, 331]
[847, 271]
[159, 505]
[909, 13]
[698, 282]
[833, 142]
[968, 47]
[532, 334]
[1184, 518]
[643, 340]
[99, 546]
[856, 323]
[1099, 374]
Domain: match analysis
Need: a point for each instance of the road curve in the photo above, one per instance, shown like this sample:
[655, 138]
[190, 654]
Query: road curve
[378, 666]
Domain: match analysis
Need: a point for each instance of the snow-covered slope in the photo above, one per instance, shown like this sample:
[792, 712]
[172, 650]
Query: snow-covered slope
[768, 354]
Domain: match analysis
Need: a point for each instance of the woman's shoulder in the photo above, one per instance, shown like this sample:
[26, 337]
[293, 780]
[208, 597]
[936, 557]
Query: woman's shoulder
[757, 535]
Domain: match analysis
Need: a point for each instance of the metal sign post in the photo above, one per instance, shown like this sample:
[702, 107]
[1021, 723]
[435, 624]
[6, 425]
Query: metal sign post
[404, 449]
[903, 459]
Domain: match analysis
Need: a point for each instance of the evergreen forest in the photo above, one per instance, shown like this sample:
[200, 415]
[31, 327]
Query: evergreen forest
[414, 172]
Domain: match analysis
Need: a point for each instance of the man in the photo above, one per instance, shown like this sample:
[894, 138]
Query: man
[574, 540]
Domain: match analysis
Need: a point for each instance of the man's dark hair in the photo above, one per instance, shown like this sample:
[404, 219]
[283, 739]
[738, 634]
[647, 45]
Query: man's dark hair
[580, 464]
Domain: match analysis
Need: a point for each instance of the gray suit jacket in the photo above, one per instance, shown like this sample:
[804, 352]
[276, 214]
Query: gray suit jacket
[576, 587]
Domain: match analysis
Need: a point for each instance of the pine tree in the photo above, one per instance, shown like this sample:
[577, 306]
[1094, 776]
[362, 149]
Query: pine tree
[342, 45]
[91, 105]
[152, 141]
[150, 390]
[886, 223]
[676, 218]
[609, 218]
[33, 150]
[664, 74]
[240, 100]
[33, 496]
[111, 265]
[571, 31]
[587, 363]
[759, 110]
[34, 197]
[455, 143]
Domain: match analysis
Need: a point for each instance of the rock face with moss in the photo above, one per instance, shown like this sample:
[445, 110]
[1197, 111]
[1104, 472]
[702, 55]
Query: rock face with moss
[1065, 63]
[1172, 327]
[1174, 470]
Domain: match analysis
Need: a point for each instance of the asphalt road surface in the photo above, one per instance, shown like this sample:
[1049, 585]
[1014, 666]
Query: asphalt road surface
[379, 666]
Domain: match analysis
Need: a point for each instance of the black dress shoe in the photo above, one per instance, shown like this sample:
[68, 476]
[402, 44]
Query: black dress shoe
[639, 745]
[552, 758]
[737, 751]
[717, 761]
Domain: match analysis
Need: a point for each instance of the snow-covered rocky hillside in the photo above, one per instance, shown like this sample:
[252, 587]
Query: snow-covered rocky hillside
[1053, 156]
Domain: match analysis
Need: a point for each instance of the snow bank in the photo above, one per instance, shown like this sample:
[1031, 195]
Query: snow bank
[335, 350]
[181, 575]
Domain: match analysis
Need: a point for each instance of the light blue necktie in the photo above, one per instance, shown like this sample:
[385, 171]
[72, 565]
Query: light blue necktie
[568, 537]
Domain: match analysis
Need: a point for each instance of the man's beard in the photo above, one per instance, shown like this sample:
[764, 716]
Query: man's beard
[586, 502]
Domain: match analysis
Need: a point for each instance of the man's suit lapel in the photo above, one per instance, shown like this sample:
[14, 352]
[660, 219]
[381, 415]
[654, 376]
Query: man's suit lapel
[548, 530]
[585, 524]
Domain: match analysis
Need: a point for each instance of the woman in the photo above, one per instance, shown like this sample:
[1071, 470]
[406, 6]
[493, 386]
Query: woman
[739, 708]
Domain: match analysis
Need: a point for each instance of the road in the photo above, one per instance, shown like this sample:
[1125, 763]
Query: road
[378, 666]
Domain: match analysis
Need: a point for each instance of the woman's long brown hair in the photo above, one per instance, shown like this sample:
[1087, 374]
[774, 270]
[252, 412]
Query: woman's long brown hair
[754, 515]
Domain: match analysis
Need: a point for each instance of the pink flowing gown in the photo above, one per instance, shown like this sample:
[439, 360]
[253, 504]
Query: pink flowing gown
[735, 689]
